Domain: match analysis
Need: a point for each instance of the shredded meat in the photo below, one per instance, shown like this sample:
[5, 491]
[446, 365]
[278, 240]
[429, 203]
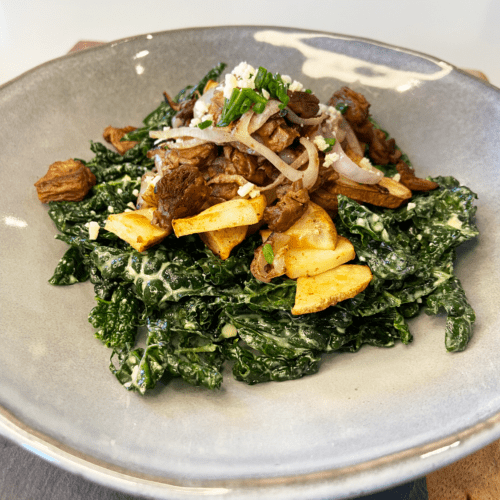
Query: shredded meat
[182, 192]
[288, 210]
[303, 104]
[381, 150]
[114, 135]
[68, 180]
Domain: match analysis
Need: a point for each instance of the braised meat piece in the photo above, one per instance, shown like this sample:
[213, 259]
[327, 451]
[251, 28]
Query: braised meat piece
[197, 156]
[276, 135]
[287, 211]
[381, 150]
[114, 135]
[68, 180]
[182, 192]
[184, 110]
[412, 182]
[303, 104]
[357, 111]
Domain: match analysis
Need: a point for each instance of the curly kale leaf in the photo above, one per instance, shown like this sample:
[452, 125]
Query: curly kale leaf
[72, 268]
[116, 320]
[450, 297]
[158, 275]
[253, 368]
[176, 347]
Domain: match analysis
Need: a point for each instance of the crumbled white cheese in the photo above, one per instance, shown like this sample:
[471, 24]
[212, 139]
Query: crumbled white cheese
[286, 79]
[135, 192]
[296, 86]
[455, 222]
[131, 205]
[419, 237]
[266, 94]
[119, 190]
[93, 230]
[397, 177]
[330, 159]
[320, 142]
[228, 331]
[111, 209]
[254, 193]
[365, 164]
[411, 206]
[200, 108]
[245, 189]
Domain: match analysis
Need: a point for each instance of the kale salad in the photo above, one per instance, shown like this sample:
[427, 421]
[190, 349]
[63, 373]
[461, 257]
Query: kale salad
[175, 307]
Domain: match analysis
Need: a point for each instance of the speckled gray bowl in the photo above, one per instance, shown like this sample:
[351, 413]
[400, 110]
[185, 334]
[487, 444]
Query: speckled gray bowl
[365, 421]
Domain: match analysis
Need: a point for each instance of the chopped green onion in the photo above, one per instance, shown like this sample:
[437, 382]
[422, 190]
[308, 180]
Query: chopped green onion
[205, 124]
[239, 103]
[267, 250]
[331, 142]
[309, 91]
[342, 107]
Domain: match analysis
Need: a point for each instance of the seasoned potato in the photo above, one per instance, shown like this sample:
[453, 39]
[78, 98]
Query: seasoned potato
[315, 229]
[316, 293]
[310, 262]
[232, 213]
[136, 229]
[222, 241]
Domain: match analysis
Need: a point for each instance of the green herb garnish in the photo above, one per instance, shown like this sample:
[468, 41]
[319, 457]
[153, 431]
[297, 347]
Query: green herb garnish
[267, 250]
[205, 124]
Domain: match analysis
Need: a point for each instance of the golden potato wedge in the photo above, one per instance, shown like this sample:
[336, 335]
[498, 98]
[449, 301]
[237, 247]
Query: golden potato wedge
[232, 213]
[310, 262]
[316, 293]
[136, 229]
[222, 241]
[315, 229]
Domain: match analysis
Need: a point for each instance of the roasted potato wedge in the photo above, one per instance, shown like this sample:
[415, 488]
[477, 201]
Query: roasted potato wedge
[316, 293]
[315, 229]
[222, 241]
[136, 229]
[232, 213]
[310, 262]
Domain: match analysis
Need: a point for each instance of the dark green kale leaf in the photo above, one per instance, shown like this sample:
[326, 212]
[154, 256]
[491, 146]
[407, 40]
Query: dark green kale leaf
[72, 268]
[176, 347]
[116, 320]
[450, 297]
[253, 368]
[158, 275]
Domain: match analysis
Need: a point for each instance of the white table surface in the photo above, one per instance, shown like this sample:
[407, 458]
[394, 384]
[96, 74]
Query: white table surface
[464, 33]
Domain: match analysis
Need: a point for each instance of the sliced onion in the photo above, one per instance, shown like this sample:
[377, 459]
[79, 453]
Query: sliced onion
[351, 138]
[272, 107]
[346, 167]
[241, 134]
[294, 118]
[312, 170]
[186, 144]
[222, 136]
[219, 135]
[227, 179]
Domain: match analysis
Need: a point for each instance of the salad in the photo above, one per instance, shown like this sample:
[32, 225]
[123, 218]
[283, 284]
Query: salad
[245, 224]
